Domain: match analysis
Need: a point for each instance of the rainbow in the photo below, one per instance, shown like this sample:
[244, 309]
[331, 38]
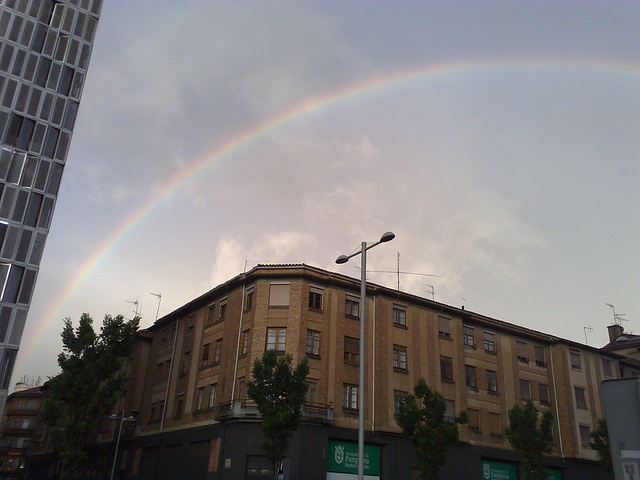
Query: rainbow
[256, 132]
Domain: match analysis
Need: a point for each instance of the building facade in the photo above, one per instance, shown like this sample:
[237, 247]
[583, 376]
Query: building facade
[195, 420]
[21, 428]
[45, 46]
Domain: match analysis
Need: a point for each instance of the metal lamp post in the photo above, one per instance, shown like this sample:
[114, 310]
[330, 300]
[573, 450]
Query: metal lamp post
[122, 420]
[363, 292]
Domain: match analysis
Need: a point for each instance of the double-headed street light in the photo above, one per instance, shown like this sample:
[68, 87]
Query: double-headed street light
[121, 419]
[363, 292]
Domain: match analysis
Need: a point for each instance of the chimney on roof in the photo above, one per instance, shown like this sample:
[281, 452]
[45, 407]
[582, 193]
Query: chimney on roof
[615, 331]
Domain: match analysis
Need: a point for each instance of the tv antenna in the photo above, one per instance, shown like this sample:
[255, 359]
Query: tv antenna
[433, 291]
[590, 328]
[159, 297]
[617, 317]
[136, 303]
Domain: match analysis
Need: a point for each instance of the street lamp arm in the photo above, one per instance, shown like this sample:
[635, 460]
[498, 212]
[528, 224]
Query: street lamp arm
[386, 237]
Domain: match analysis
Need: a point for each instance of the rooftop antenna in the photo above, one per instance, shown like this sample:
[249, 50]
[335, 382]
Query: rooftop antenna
[159, 297]
[590, 328]
[433, 292]
[617, 317]
[136, 303]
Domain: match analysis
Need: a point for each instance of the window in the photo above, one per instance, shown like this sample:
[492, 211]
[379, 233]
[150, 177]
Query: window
[350, 396]
[470, 374]
[492, 381]
[585, 436]
[450, 410]
[191, 321]
[399, 357]
[543, 393]
[312, 391]
[468, 336]
[540, 356]
[399, 316]
[313, 342]
[444, 327]
[212, 395]
[351, 350]
[248, 301]
[581, 399]
[222, 312]
[276, 339]
[446, 368]
[210, 315]
[474, 420]
[351, 308]
[199, 397]
[315, 298]
[179, 406]
[185, 363]
[489, 342]
[607, 368]
[521, 352]
[397, 399]
[217, 353]
[242, 389]
[204, 362]
[245, 342]
[279, 295]
[576, 363]
[525, 390]
[495, 426]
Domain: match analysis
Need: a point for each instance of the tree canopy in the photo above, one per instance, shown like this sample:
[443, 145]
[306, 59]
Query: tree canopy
[531, 435]
[422, 417]
[279, 390]
[84, 393]
[600, 443]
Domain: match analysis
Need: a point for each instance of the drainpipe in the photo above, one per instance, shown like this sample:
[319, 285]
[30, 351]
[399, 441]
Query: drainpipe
[373, 369]
[555, 396]
[166, 393]
[235, 368]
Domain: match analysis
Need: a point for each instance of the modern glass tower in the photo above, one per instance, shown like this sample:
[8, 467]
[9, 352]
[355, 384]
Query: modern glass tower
[45, 47]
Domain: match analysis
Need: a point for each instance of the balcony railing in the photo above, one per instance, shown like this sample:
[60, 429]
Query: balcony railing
[247, 408]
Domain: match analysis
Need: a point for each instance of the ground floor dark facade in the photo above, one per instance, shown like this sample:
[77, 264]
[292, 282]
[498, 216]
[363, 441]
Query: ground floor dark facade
[232, 451]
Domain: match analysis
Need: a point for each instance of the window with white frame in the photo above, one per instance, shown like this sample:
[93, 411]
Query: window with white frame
[350, 396]
[399, 357]
[489, 342]
[399, 316]
[276, 339]
[313, 342]
[352, 307]
[468, 336]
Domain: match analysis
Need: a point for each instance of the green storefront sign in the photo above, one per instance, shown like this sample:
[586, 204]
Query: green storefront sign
[342, 457]
[499, 471]
[509, 471]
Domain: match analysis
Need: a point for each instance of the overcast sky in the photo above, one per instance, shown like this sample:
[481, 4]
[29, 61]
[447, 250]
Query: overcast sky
[500, 141]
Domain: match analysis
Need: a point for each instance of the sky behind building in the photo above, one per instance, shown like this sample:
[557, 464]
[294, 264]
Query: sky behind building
[500, 141]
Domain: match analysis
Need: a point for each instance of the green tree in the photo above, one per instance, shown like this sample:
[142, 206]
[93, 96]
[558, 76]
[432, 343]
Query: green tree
[279, 391]
[83, 394]
[422, 419]
[600, 443]
[531, 435]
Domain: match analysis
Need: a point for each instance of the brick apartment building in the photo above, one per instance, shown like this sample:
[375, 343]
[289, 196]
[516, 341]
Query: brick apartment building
[186, 383]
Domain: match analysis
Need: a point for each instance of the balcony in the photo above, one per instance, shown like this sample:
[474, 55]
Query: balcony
[246, 408]
[240, 408]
